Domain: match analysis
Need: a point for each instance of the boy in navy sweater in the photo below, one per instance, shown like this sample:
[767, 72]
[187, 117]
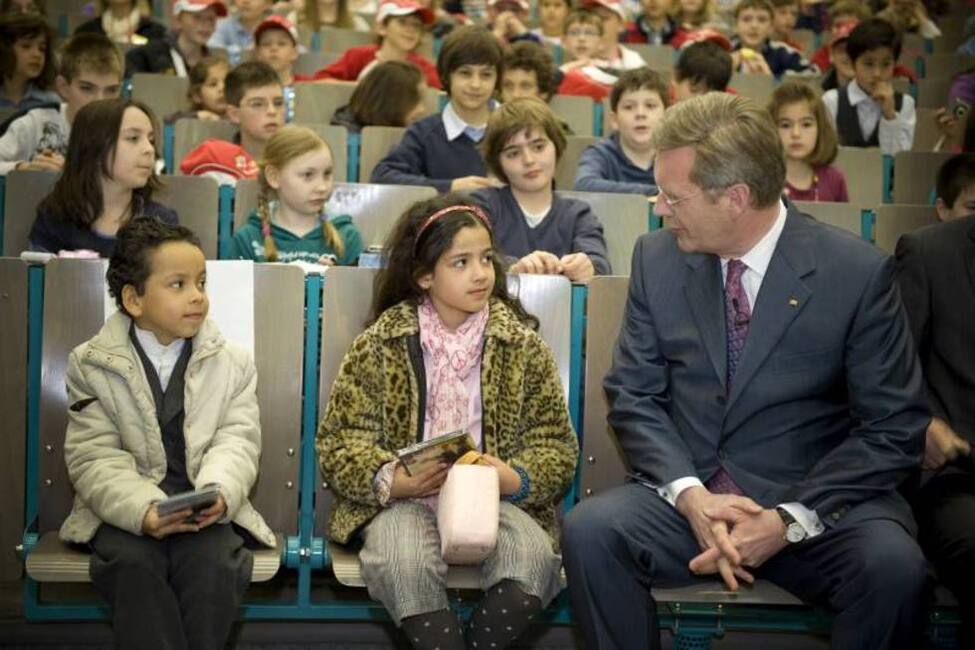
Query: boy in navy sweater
[539, 231]
[868, 112]
[441, 150]
[623, 162]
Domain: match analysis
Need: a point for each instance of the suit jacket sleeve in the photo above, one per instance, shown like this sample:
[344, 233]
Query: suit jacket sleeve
[886, 404]
[915, 289]
[637, 387]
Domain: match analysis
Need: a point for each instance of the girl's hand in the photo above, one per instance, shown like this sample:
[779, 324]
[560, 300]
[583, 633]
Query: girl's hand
[539, 263]
[327, 260]
[509, 479]
[212, 514]
[425, 484]
[161, 527]
[577, 267]
[46, 160]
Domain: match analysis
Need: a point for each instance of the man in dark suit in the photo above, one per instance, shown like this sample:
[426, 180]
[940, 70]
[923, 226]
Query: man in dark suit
[767, 396]
[936, 272]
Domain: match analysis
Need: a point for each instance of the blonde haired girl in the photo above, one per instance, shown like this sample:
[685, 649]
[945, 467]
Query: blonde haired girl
[290, 223]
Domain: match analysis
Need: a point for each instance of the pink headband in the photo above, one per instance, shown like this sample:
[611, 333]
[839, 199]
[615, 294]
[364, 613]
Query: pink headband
[452, 208]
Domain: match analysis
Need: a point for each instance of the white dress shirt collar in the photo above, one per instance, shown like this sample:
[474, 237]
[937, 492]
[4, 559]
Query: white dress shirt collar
[162, 357]
[456, 127]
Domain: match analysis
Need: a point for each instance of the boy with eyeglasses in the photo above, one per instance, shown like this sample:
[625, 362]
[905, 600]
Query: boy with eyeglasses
[255, 102]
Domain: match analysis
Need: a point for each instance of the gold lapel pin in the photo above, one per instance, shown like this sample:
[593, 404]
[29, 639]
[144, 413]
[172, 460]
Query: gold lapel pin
[793, 302]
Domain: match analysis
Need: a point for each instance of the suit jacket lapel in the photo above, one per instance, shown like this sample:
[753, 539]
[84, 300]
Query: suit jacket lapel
[705, 295]
[782, 297]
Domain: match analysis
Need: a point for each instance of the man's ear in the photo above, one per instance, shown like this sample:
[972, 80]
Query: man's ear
[233, 114]
[739, 198]
[132, 301]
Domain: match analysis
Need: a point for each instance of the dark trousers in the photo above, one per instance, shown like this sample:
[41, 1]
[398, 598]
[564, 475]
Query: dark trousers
[945, 512]
[179, 593]
[619, 544]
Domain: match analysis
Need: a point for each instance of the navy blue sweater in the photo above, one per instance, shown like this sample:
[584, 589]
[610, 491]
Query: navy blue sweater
[603, 167]
[52, 233]
[425, 157]
[781, 58]
[569, 227]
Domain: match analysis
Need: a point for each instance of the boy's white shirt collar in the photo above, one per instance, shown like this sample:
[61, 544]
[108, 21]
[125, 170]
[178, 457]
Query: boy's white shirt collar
[855, 93]
[454, 125]
[162, 357]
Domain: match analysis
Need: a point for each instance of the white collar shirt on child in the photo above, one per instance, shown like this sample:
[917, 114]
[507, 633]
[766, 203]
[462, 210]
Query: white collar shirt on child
[162, 357]
[893, 135]
[456, 127]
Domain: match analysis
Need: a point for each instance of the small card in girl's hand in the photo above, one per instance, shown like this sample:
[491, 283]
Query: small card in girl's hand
[444, 449]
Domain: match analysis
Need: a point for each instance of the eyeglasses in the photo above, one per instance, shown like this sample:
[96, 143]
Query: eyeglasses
[260, 104]
[673, 203]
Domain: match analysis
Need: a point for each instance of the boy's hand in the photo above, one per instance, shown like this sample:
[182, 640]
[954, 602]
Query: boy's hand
[161, 527]
[755, 65]
[327, 260]
[212, 514]
[207, 116]
[46, 161]
[883, 94]
[539, 263]
[470, 183]
[577, 267]
[509, 480]
[425, 484]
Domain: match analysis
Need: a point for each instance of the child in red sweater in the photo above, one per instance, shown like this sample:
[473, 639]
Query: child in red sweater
[399, 24]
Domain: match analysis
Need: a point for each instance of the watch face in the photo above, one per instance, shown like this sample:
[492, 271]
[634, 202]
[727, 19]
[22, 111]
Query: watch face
[794, 532]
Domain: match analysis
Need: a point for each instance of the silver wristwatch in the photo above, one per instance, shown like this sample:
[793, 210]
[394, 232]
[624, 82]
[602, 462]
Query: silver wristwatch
[794, 532]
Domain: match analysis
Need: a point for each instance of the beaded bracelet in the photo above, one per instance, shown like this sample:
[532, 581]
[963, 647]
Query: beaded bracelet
[523, 489]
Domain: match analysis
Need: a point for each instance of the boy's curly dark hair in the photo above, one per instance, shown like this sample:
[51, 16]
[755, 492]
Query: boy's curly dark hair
[134, 244]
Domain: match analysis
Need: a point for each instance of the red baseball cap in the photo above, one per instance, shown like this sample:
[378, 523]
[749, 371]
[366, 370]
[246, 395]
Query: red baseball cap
[389, 8]
[195, 6]
[706, 34]
[275, 21]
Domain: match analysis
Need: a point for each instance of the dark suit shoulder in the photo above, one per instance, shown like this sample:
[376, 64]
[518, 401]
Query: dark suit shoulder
[836, 248]
[945, 235]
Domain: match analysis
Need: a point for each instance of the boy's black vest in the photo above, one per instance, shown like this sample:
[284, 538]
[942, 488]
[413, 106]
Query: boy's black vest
[848, 124]
[170, 414]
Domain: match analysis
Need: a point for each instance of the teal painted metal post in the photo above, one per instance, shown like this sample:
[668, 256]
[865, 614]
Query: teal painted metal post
[225, 221]
[656, 223]
[577, 333]
[597, 119]
[867, 218]
[309, 426]
[352, 155]
[35, 333]
[169, 139]
[888, 179]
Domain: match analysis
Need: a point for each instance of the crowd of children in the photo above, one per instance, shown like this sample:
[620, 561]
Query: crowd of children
[491, 151]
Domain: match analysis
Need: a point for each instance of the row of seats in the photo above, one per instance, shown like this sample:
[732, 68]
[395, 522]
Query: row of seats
[213, 212]
[295, 378]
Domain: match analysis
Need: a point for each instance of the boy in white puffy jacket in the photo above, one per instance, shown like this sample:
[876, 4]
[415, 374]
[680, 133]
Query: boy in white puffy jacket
[160, 403]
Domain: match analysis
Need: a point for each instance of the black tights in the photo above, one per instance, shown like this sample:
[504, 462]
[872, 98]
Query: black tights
[500, 617]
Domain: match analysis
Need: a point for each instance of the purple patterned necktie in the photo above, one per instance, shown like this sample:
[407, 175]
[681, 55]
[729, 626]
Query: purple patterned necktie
[737, 313]
[737, 316]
